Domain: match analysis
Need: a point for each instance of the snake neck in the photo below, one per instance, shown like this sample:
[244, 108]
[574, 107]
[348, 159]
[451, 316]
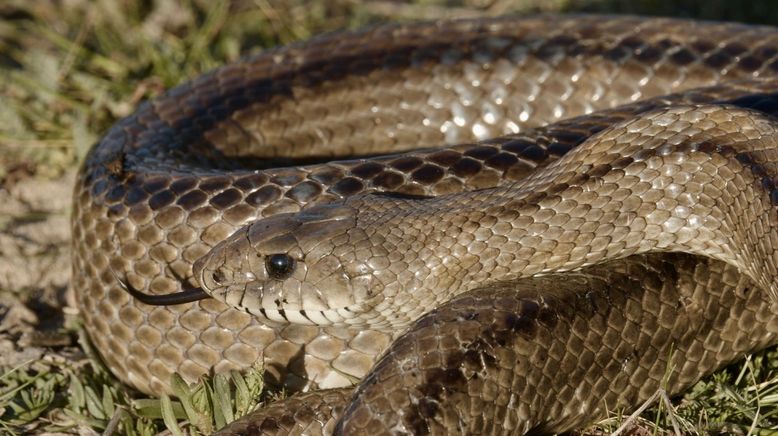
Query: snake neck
[644, 185]
[662, 191]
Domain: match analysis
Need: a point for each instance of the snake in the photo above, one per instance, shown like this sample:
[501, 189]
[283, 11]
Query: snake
[506, 225]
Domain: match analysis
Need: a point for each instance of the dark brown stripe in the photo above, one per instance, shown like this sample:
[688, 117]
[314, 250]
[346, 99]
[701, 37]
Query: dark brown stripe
[208, 110]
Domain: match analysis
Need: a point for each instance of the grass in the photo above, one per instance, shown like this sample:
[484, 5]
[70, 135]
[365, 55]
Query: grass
[68, 398]
[69, 69]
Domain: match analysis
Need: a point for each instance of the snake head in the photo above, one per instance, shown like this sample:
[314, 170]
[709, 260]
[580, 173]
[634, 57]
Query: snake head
[287, 268]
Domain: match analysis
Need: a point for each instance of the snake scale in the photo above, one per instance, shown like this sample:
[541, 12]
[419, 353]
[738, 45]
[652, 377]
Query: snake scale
[499, 225]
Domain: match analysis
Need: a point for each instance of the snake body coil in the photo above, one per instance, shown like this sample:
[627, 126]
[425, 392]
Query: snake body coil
[519, 281]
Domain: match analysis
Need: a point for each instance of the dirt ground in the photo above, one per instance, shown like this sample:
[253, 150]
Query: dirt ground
[37, 303]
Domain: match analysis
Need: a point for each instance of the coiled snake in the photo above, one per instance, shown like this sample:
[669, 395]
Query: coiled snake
[607, 228]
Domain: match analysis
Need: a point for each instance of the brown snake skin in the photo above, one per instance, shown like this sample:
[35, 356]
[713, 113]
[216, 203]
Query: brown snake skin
[592, 145]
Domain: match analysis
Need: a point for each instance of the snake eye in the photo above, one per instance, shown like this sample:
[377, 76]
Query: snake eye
[279, 266]
[218, 276]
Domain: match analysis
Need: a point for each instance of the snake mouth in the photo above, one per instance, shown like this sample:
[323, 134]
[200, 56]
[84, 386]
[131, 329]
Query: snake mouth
[190, 294]
[306, 317]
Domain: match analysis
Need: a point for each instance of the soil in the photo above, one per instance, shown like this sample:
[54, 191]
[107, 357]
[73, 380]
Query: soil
[37, 310]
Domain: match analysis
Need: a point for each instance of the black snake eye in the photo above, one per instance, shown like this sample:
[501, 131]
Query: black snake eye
[218, 277]
[279, 266]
